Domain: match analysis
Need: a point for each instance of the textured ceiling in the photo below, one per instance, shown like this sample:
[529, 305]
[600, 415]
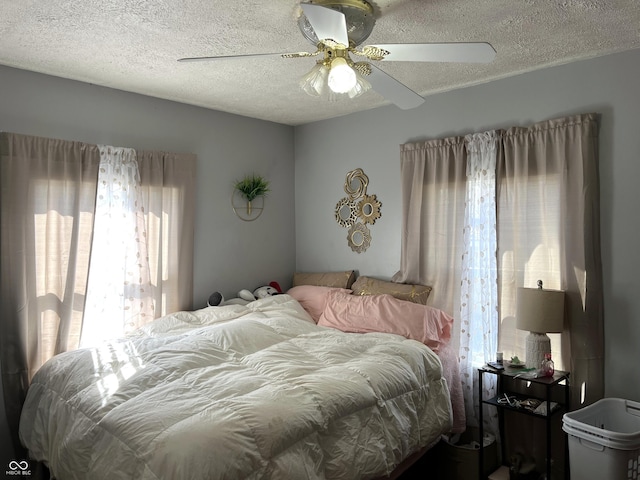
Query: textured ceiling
[133, 45]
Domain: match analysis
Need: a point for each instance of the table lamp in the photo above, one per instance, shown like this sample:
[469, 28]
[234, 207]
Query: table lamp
[540, 312]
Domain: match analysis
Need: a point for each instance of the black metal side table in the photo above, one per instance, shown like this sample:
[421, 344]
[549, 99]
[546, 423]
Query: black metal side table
[509, 398]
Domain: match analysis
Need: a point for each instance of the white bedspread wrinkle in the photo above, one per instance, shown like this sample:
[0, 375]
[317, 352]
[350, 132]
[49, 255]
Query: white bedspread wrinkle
[256, 392]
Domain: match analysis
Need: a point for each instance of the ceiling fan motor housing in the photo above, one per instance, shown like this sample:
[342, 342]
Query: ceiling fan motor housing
[358, 15]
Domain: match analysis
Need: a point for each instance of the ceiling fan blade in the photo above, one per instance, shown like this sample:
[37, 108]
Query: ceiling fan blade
[327, 23]
[223, 57]
[439, 52]
[393, 90]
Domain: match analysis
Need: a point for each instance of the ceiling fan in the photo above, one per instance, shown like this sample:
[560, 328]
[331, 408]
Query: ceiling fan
[337, 28]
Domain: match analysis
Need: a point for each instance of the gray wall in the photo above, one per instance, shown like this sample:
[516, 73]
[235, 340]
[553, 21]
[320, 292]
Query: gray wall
[325, 151]
[230, 254]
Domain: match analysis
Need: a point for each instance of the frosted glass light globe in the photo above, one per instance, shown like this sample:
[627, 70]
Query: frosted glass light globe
[342, 77]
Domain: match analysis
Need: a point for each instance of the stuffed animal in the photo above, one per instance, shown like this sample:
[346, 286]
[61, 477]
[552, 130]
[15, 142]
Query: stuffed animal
[264, 292]
[268, 290]
[216, 299]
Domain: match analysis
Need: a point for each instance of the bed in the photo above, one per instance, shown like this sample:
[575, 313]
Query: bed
[262, 390]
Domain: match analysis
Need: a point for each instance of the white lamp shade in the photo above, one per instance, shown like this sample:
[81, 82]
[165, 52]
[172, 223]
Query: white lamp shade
[539, 311]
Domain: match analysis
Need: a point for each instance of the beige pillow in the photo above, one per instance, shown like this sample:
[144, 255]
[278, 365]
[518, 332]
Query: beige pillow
[325, 279]
[402, 291]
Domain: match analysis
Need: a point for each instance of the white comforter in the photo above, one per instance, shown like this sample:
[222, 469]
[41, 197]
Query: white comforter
[256, 391]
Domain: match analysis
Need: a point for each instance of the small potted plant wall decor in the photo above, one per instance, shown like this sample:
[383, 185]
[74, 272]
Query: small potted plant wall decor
[250, 188]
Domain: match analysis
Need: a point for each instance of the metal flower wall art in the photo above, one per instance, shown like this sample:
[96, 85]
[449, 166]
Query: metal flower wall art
[357, 210]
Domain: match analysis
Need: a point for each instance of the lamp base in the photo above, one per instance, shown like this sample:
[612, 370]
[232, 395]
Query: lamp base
[538, 344]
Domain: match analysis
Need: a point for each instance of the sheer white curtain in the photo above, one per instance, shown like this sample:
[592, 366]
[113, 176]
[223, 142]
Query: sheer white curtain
[142, 252]
[119, 293]
[479, 284]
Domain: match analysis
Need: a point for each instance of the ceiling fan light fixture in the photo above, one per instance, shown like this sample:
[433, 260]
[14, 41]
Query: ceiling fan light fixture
[361, 86]
[314, 82]
[342, 77]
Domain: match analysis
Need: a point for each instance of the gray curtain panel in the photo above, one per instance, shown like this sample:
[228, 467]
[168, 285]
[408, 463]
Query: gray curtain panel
[47, 199]
[561, 152]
